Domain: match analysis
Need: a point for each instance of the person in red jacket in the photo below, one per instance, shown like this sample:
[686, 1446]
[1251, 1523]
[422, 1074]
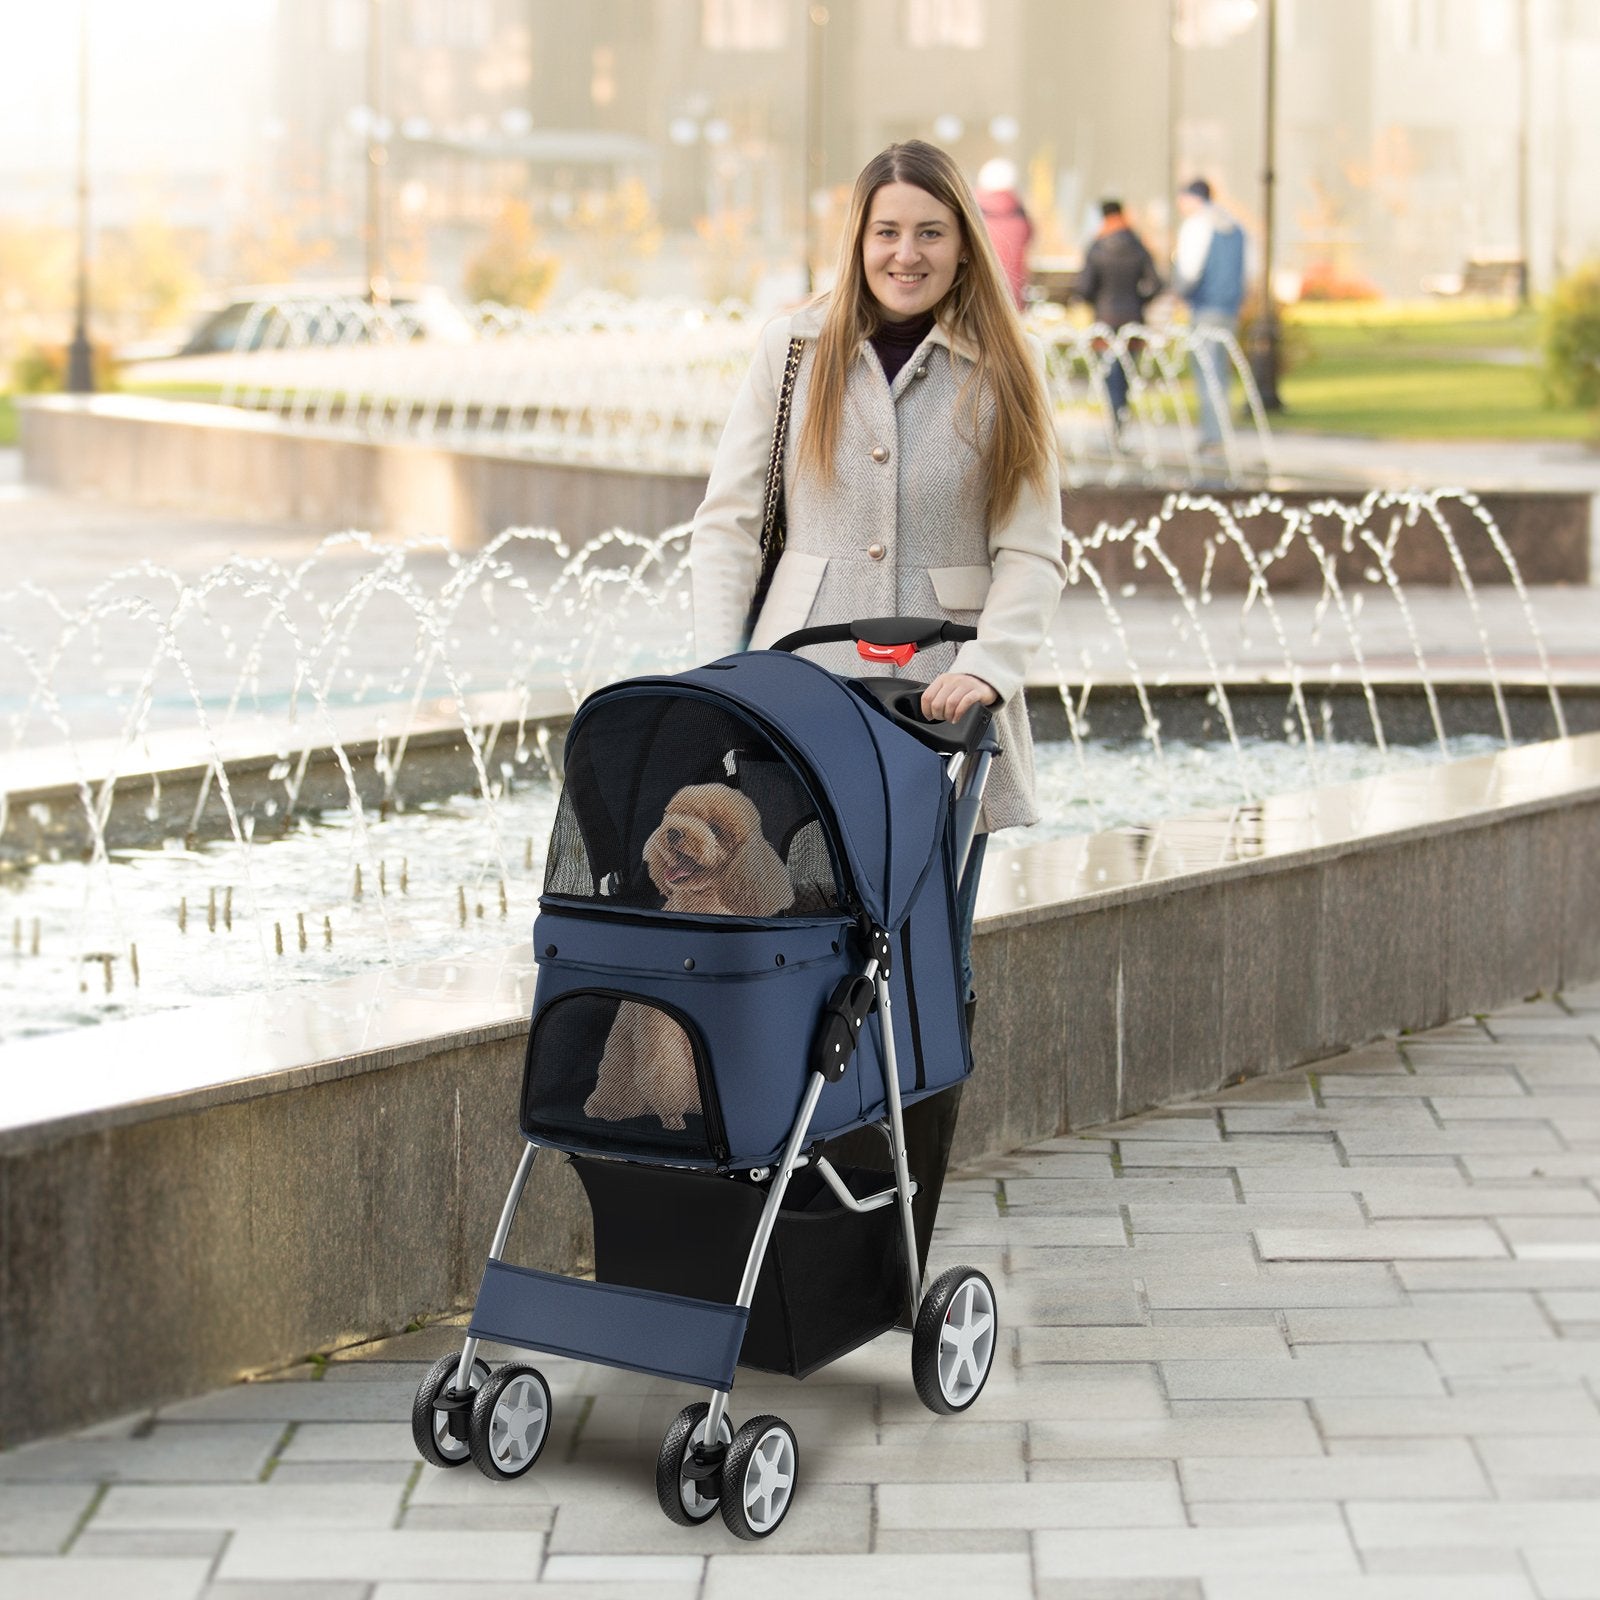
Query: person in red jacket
[1010, 228]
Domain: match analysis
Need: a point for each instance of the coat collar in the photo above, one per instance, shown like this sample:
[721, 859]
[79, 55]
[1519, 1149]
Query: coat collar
[806, 323]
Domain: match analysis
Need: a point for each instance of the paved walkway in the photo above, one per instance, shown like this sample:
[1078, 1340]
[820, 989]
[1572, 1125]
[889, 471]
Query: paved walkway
[1330, 1335]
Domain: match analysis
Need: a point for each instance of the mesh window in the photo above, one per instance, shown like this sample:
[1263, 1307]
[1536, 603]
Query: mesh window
[608, 1073]
[674, 804]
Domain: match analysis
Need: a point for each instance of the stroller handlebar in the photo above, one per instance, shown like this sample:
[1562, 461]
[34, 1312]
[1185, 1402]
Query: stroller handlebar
[897, 640]
[921, 633]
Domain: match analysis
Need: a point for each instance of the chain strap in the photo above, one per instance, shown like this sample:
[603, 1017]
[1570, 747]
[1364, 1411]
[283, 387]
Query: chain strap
[772, 519]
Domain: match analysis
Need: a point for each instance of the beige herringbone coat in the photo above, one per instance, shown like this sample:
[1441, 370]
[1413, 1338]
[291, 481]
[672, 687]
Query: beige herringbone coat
[901, 530]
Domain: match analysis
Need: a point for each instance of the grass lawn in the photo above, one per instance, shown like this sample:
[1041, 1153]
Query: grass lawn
[1422, 373]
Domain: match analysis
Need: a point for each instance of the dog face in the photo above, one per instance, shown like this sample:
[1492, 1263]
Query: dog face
[703, 829]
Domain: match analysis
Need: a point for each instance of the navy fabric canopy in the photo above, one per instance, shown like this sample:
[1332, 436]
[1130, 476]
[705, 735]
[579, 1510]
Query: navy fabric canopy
[886, 791]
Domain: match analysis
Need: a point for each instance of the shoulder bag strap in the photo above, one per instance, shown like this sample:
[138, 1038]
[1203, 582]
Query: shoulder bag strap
[774, 525]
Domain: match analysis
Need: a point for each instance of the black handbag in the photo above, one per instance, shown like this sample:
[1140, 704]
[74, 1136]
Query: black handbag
[774, 523]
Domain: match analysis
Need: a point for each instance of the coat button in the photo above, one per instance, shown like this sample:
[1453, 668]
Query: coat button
[880, 453]
[921, 372]
[876, 551]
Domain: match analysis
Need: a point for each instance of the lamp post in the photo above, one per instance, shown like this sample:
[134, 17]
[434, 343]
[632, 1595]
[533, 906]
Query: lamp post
[815, 150]
[377, 157]
[1266, 335]
[80, 364]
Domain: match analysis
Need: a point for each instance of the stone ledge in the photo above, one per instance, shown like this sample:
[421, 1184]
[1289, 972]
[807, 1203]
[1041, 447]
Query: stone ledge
[213, 1222]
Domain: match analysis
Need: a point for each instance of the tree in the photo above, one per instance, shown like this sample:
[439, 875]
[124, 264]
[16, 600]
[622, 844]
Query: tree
[510, 268]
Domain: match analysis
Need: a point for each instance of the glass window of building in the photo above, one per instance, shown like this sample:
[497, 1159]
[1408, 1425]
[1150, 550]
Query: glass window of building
[744, 24]
[1497, 34]
[946, 24]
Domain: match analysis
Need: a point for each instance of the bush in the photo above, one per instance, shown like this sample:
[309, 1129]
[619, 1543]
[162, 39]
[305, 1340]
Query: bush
[1569, 335]
[1325, 281]
[42, 369]
[510, 269]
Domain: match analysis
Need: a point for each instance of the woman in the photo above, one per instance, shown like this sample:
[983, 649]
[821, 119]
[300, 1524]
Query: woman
[920, 472]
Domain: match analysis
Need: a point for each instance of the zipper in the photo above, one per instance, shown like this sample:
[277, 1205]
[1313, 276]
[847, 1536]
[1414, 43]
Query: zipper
[710, 1111]
[590, 910]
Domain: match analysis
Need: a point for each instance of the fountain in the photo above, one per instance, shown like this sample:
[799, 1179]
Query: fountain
[345, 763]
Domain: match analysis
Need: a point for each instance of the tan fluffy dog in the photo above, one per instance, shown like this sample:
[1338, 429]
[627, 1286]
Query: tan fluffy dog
[708, 857]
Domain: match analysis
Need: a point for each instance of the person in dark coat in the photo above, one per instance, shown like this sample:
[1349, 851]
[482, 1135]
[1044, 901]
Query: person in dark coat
[1119, 279]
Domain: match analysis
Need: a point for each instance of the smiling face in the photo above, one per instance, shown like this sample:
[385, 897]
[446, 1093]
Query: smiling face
[910, 251]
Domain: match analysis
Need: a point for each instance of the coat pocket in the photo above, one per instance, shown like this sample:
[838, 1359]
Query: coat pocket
[789, 600]
[960, 588]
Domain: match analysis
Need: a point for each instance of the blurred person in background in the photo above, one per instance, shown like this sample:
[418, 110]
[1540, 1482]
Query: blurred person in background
[1010, 227]
[1119, 279]
[1208, 274]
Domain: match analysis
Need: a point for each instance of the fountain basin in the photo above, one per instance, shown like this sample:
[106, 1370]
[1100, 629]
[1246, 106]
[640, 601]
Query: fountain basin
[227, 461]
[186, 1198]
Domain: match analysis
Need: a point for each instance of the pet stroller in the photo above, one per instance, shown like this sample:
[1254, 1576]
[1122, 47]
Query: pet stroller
[747, 949]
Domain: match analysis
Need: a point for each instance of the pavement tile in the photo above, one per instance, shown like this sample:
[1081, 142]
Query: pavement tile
[1459, 1416]
[102, 1544]
[1257, 1428]
[351, 1506]
[934, 1577]
[1476, 1522]
[298, 1401]
[28, 1578]
[1186, 1253]
[1054, 1302]
[1553, 1238]
[583, 1589]
[168, 1454]
[1149, 1344]
[372, 1555]
[1184, 1127]
[1557, 1164]
[36, 1518]
[1107, 1195]
[349, 1441]
[282, 1591]
[1030, 1505]
[1485, 1200]
[624, 1569]
[1243, 1216]
[1245, 1124]
[1428, 1316]
[1573, 1305]
[1357, 1178]
[1382, 1241]
[1498, 1276]
[963, 1541]
[1448, 1470]
[1462, 1138]
[1264, 1514]
[1288, 1553]
[1371, 1586]
[1547, 1107]
[1317, 1371]
[1564, 1572]
[1530, 1455]
[1243, 1153]
[1423, 1085]
[1556, 1359]
[1282, 1285]
[1062, 1392]
[965, 1458]
[397, 1472]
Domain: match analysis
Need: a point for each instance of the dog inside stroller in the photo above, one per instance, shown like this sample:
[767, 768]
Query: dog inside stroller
[747, 1037]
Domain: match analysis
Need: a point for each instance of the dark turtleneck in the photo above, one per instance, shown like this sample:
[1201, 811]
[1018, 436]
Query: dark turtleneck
[896, 342]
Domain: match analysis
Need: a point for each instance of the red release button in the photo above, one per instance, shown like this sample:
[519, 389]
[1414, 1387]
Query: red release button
[900, 654]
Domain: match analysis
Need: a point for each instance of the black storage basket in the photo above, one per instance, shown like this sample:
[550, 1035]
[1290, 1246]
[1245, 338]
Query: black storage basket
[832, 1278]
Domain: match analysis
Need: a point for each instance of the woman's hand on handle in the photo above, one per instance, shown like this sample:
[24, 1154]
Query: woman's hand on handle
[953, 694]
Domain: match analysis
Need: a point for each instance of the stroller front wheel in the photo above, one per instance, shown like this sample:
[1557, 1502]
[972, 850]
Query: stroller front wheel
[953, 1343]
[688, 1500]
[758, 1477]
[510, 1422]
[430, 1427]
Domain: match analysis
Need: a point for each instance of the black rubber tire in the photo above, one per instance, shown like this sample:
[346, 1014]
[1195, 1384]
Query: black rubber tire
[424, 1436]
[480, 1426]
[927, 1339]
[737, 1463]
[669, 1468]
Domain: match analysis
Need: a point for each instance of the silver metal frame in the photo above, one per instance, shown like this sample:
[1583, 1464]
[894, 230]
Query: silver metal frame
[969, 778]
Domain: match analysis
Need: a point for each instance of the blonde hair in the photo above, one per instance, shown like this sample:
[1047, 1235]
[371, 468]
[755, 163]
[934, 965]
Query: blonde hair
[978, 309]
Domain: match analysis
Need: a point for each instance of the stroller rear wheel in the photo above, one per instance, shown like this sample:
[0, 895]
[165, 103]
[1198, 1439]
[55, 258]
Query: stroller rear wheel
[430, 1428]
[758, 1477]
[510, 1422]
[953, 1344]
[688, 1500]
